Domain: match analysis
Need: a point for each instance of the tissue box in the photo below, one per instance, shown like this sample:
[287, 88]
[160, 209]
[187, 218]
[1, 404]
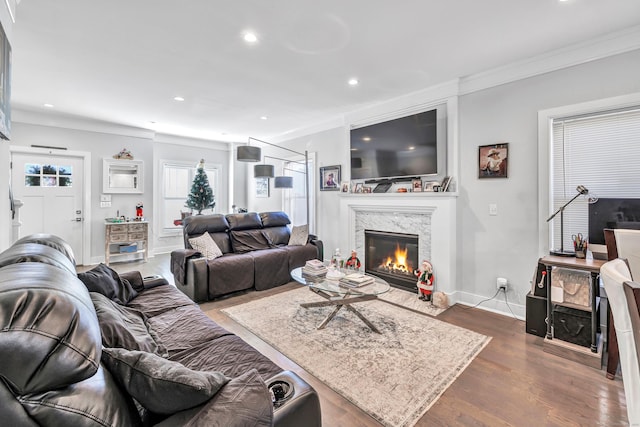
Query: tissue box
[133, 247]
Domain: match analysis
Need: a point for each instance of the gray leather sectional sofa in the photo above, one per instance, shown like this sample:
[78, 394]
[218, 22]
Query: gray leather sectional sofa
[256, 254]
[60, 343]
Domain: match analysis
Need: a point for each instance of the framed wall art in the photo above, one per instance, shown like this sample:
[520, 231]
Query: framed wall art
[329, 178]
[262, 187]
[493, 160]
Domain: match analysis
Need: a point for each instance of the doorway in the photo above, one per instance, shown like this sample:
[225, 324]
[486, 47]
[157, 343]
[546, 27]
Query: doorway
[54, 189]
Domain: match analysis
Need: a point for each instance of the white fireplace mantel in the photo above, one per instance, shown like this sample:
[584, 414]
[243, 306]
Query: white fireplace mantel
[431, 216]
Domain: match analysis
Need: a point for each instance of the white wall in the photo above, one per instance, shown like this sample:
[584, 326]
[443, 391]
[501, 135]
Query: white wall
[145, 146]
[5, 213]
[100, 145]
[505, 245]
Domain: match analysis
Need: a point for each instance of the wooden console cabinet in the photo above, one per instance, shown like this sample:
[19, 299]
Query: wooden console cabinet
[126, 233]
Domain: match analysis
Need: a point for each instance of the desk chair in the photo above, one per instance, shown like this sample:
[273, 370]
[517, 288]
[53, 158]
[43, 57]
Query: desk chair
[622, 305]
[624, 244]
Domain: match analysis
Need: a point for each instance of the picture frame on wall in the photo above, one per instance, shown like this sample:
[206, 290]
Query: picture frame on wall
[262, 187]
[330, 177]
[493, 160]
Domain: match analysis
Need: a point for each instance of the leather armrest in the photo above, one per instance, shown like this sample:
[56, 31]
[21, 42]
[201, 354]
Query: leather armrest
[302, 408]
[154, 281]
[134, 278]
[318, 244]
[140, 283]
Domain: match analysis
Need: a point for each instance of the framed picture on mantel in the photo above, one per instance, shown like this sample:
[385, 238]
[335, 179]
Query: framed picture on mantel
[329, 178]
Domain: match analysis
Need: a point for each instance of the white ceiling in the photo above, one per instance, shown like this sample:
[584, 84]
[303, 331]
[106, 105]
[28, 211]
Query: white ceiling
[124, 61]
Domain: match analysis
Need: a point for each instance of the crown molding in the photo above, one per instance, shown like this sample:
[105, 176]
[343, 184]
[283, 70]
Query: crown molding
[612, 44]
[68, 121]
[192, 142]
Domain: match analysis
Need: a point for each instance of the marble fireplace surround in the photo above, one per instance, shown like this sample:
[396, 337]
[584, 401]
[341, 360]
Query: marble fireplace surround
[431, 217]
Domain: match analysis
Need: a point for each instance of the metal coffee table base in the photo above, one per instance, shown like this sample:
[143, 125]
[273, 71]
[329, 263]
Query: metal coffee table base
[344, 301]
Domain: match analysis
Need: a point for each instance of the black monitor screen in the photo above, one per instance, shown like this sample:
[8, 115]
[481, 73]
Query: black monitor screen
[612, 213]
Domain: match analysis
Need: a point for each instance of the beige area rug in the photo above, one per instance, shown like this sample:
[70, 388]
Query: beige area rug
[394, 376]
[410, 300]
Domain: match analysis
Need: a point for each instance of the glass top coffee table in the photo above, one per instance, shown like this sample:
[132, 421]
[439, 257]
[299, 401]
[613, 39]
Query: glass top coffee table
[339, 295]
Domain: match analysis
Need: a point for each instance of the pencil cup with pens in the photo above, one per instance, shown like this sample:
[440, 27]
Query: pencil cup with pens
[579, 245]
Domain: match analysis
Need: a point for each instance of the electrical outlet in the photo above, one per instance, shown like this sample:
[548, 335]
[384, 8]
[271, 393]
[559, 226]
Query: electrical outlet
[501, 283]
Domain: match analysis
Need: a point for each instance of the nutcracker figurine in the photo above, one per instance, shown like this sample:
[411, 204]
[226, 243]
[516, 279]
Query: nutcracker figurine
[425, 281]
[139, 210]
[353, 261]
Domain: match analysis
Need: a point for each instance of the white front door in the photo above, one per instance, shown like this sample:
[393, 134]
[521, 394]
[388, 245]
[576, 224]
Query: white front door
[50, 187]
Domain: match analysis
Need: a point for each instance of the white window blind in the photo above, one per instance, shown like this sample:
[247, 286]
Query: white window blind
[599, 151]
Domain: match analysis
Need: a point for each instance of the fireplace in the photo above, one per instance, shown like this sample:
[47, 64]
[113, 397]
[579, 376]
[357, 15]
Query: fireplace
[392, 257]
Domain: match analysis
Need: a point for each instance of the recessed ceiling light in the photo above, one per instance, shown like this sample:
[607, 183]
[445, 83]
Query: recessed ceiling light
[250, 37]
[366, 138]
[48, 105]
[412, 148]
[353, 82]
[263, 118]
[178, 98]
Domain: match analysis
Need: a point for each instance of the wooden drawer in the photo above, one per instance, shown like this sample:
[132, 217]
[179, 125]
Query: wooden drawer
[117, 228]
[137, 227]
[137, 236]
[118, 237]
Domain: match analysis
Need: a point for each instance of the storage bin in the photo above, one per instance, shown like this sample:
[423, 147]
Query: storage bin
[571, 286]
[572, 325]
[128, 248]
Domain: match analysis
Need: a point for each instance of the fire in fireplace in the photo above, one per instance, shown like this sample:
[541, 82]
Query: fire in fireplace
[392, 256]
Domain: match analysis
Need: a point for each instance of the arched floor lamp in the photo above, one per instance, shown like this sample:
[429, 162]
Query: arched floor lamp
[251, 153]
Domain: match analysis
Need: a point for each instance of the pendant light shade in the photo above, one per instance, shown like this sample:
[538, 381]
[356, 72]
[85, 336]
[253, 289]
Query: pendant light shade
[248, 153]
[283, 182]
[263, 171]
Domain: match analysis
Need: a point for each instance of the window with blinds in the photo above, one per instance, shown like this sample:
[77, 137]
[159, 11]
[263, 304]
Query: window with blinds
[599, 151]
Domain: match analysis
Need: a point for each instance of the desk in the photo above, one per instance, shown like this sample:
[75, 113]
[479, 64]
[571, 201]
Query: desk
[590, 265]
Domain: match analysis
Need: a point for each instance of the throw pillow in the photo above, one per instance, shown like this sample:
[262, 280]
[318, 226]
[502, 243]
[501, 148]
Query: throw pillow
[160, 385]
[299, 235]
[107, 282]
[125, 327]
[206, 246]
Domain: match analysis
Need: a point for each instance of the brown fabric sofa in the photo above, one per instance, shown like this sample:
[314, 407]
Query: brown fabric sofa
[53, 335]
[255, 251]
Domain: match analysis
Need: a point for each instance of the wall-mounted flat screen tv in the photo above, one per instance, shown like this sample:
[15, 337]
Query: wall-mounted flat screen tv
[5, 86]
[409, 146]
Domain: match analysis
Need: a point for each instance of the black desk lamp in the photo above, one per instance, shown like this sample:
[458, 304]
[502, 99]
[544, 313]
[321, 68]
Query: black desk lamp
[581, 189]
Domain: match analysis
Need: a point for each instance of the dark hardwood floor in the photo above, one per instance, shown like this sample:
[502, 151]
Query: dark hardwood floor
[512, 382]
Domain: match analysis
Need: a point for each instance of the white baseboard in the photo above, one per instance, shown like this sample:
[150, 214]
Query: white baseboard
[496, 305]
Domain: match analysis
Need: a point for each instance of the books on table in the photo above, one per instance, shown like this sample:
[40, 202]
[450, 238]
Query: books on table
[355, 280]
[314, 268]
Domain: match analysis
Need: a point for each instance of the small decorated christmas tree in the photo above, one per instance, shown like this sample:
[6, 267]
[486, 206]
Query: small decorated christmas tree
[201, 196]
